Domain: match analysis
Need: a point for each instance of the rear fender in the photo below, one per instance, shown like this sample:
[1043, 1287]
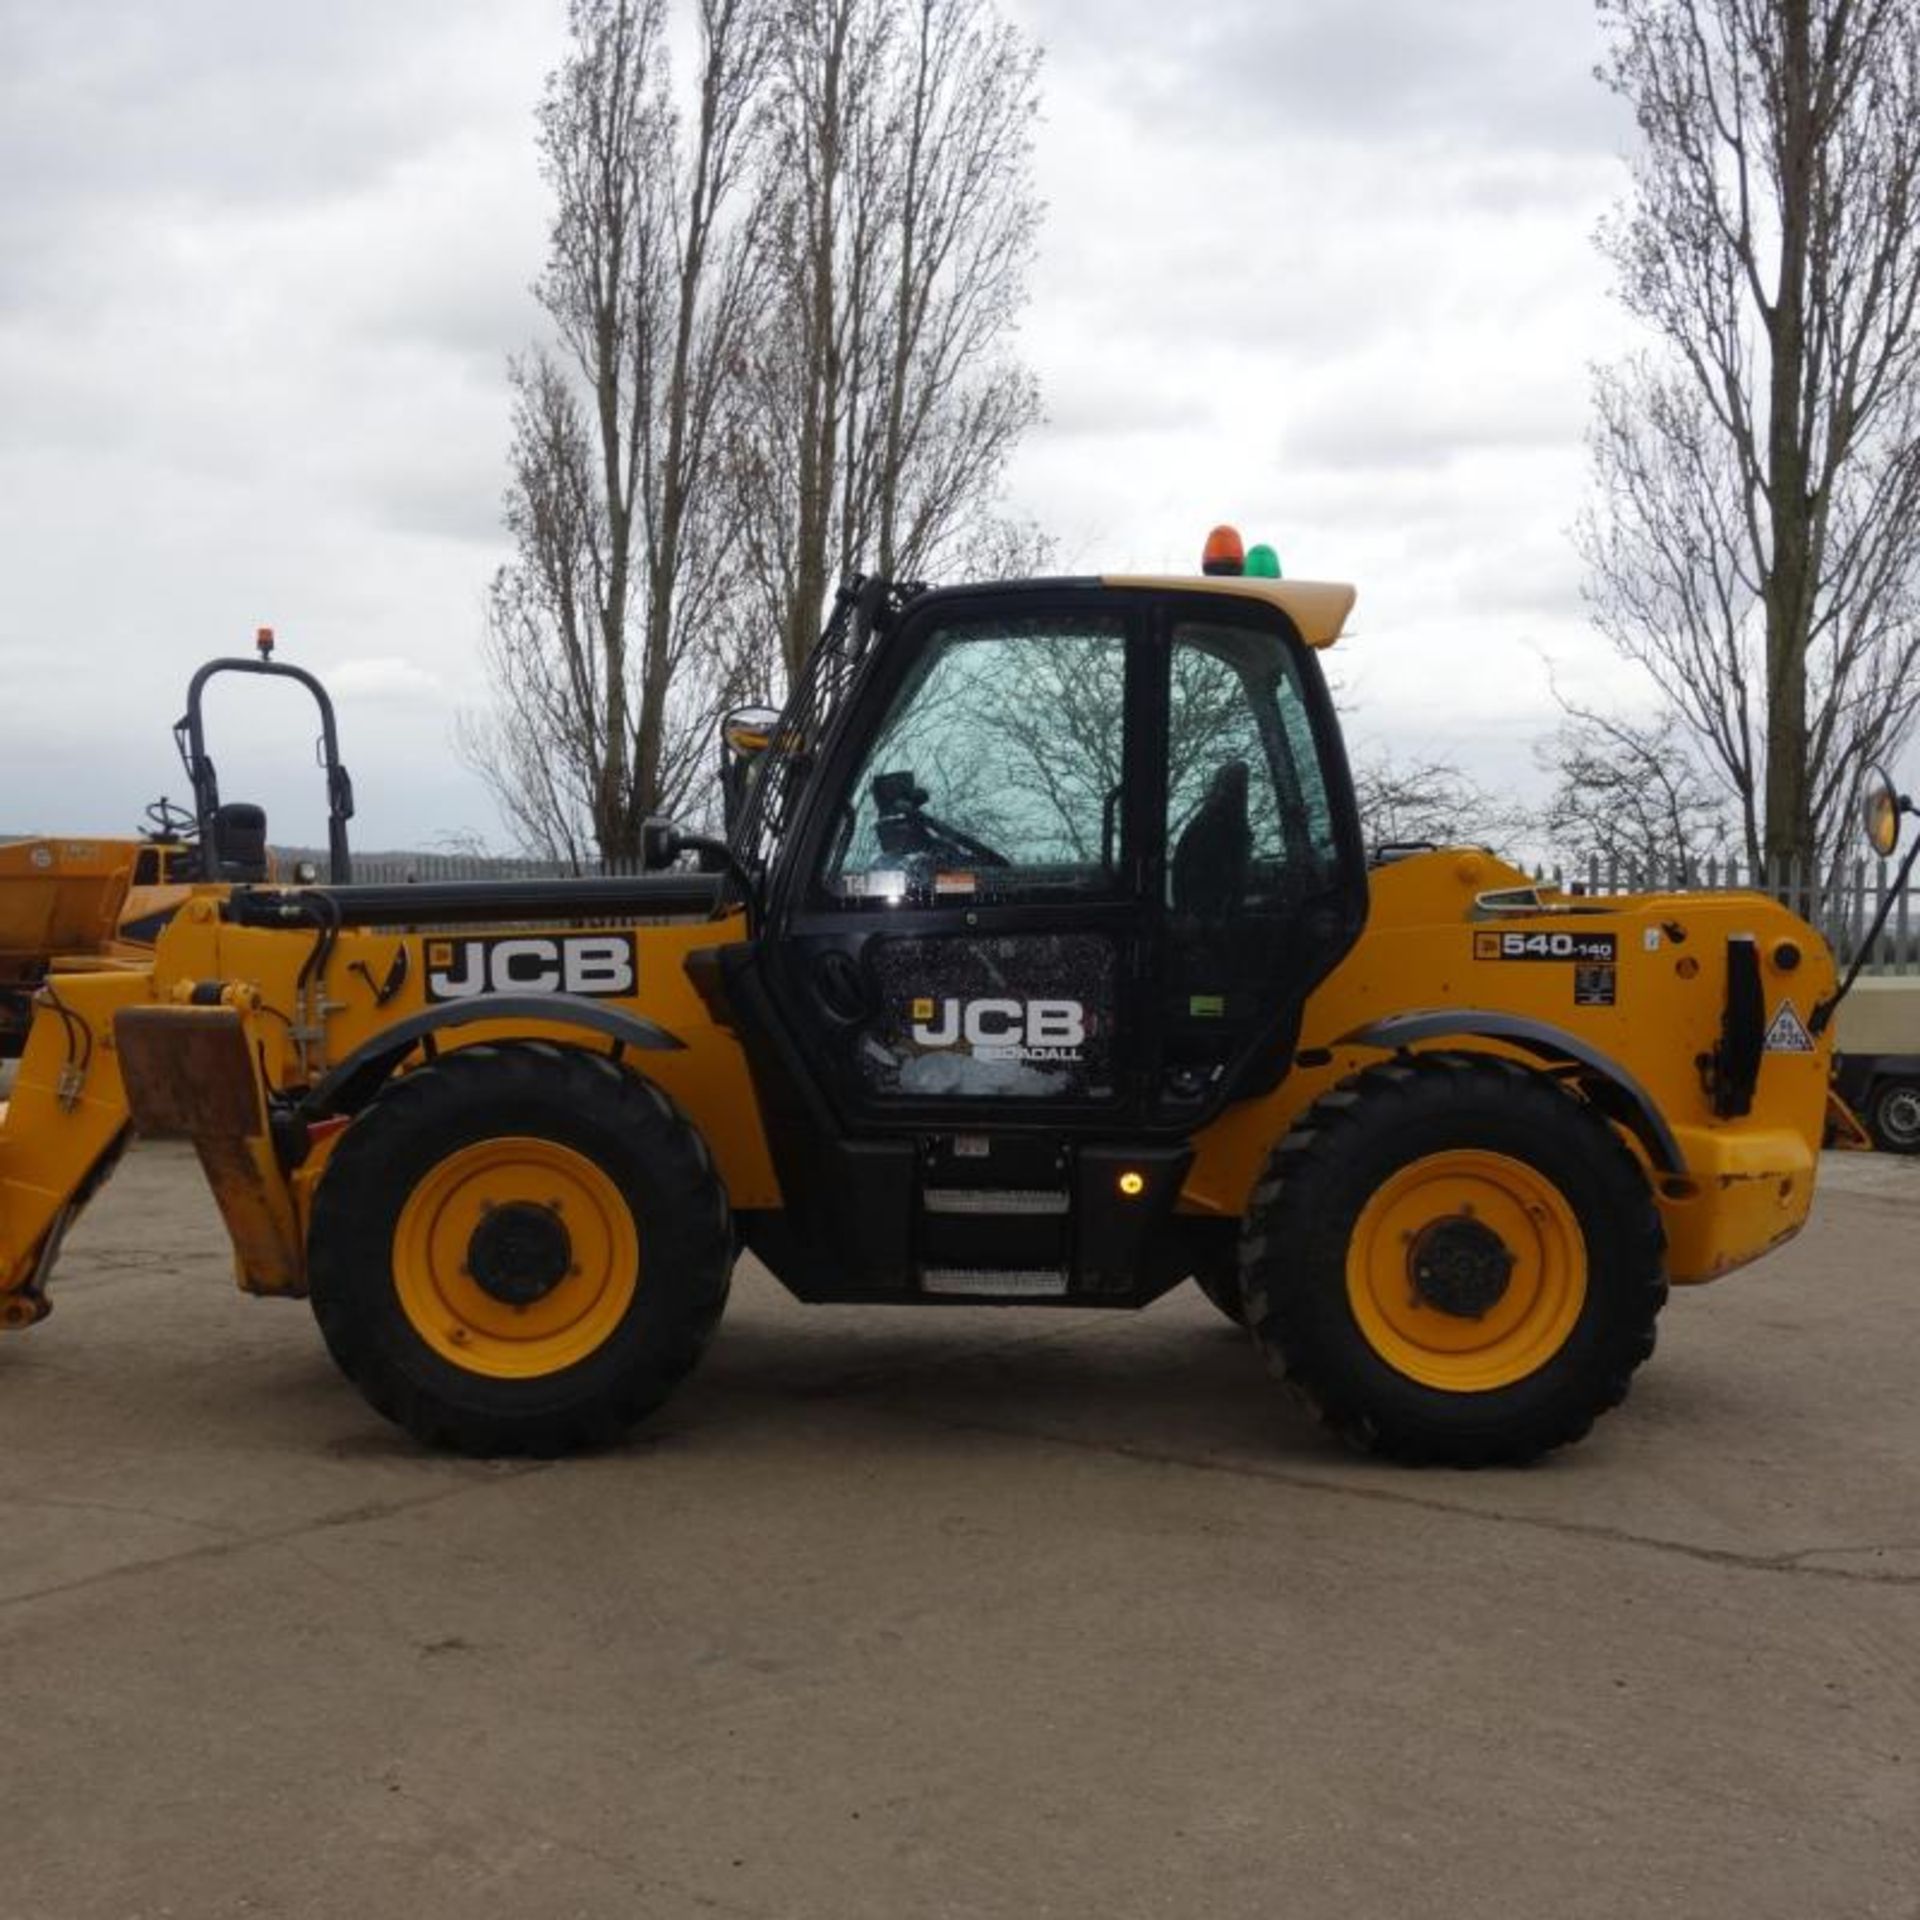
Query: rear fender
[346, 1088]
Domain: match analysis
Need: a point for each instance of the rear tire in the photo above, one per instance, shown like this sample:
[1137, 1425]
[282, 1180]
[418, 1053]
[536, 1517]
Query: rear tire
[519, 1249]
[1893, 1116]
[1455, 1261]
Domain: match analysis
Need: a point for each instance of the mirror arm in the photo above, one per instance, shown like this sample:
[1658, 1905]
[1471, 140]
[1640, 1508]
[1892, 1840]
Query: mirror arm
[1823, 1014]
[663, 843]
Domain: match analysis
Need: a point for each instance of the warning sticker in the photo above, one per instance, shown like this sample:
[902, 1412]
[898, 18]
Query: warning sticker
[1788, 1034]
[1595, 986]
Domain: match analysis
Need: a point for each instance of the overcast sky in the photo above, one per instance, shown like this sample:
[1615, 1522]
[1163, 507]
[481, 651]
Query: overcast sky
[1325, 271]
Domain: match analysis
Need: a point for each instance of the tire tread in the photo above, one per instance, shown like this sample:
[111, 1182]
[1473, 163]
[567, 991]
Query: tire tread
[1305, 1174]
[687, 1257]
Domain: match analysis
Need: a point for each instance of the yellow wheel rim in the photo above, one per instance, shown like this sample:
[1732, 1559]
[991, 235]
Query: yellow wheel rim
[515, 1258]
[1467, 1271]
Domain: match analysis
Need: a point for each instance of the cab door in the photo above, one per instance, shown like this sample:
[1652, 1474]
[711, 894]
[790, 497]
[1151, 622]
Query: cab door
[965, 923]
[1262, 887]
[1054, 892]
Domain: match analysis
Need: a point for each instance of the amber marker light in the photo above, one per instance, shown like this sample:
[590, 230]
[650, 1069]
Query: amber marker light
[1224, 553]
[1133, 1185]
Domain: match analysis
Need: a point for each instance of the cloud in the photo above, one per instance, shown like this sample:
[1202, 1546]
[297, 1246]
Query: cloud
[388, 675]
[1325, 269]
[258, 282]
[1328, 272]
[1476, 72]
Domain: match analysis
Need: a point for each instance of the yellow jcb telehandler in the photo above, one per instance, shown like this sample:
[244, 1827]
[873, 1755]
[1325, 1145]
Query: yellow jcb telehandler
[1042, 964]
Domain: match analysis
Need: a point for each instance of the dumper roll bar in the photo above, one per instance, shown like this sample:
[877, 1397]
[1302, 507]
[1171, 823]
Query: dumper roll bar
[190, 736]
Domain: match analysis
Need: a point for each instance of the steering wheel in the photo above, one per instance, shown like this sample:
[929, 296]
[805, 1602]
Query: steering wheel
[170, 822]
[901, 802]
[969, 848]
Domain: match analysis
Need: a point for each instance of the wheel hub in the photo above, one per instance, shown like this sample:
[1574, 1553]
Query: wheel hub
[1901, 1115]
[519, 1253]
[1460, 1266]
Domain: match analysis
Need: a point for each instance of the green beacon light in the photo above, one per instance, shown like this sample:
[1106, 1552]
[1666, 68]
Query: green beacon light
[1262, 563]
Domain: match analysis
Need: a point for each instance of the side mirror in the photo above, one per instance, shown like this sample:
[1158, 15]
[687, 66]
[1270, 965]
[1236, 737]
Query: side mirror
[1881, 805]
[748, 731]
[745, 734]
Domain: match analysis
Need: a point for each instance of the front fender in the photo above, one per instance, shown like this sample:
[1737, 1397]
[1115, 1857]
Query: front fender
[1614, 1090]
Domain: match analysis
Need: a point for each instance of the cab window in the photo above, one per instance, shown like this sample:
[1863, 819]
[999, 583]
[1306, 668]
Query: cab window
[996, 774]
[1251, 839]
[1249, 823]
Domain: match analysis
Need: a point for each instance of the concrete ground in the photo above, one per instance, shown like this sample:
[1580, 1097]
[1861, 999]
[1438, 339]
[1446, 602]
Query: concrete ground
[1013, 1614]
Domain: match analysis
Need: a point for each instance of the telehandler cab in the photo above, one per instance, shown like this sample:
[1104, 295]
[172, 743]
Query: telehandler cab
[1042, 963]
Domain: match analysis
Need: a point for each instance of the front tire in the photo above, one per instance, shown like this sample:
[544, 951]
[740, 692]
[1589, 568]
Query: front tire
[1455, 1261]
[519, 1249]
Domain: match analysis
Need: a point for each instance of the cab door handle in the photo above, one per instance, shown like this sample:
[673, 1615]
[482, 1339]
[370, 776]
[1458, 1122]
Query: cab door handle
[840, 987]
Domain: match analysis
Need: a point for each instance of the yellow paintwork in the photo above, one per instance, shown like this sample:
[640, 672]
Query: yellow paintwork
[58, 896]
[466, 1325]
[1545, 1290]
[1746, 1186]
[707, 1077]
[58, 1129]
[1751, 1179]
[1317, 608]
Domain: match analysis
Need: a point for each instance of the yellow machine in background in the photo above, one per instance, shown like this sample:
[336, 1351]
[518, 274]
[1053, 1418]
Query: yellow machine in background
[1042, 964]
[109, 898]
[56, 896]
[65, 897]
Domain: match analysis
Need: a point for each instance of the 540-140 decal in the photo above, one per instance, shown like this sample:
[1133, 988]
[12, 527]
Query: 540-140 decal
[1589, 949]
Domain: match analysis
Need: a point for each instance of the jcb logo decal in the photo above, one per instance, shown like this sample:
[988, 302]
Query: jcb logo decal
[600, 966]
[1003, 1029]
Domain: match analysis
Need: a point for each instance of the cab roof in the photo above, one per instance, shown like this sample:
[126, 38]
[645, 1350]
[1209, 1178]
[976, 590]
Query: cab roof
[1318, 608]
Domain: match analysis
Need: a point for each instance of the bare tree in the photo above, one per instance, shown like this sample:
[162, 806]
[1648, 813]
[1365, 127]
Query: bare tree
[601, 631]
[885, 398]
[1429, 801]
[1758, 472]
[1631, 795]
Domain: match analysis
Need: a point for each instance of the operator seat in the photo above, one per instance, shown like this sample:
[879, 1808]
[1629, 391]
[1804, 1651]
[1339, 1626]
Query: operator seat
[1215, 850]
[242, 830]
